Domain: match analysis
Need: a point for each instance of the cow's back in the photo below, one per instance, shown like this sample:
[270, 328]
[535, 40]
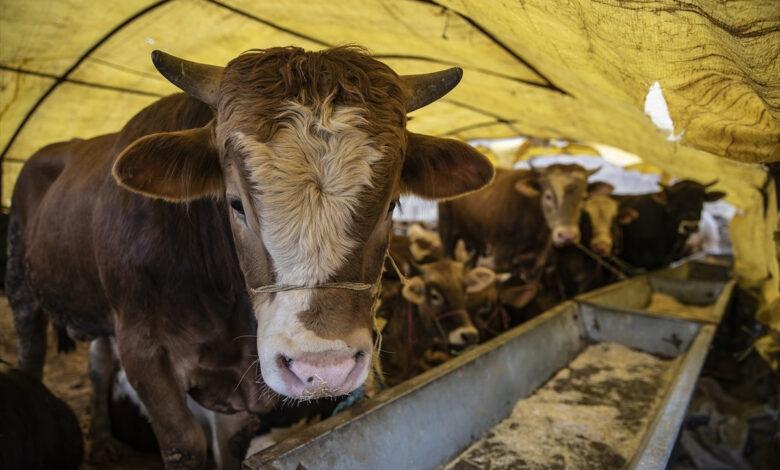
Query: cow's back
[497, 216]
[60, 201]
[648, 241]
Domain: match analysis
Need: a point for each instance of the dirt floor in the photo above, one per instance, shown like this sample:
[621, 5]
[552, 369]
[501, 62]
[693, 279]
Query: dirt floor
[66, 376]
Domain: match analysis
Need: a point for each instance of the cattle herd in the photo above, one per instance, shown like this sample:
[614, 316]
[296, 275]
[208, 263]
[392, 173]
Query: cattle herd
[232, 248]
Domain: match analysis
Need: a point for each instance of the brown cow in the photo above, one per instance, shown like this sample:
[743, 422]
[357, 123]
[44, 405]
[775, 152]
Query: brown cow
[601, 227]
[517, 216]
[418, 246]
[427, 313]
[270, 203]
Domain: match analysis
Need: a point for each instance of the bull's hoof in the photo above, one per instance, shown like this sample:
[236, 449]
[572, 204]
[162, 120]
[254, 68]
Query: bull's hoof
[106, 451]
[180, 459]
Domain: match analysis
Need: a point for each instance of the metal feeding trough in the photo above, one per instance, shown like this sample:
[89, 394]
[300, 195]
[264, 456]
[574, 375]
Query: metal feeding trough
[702, 291]
[427, 421]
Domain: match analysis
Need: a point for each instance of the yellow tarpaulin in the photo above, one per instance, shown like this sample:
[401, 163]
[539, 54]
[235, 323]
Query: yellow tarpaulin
[579, 70]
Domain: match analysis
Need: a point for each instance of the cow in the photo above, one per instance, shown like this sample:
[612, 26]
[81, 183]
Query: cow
[230, 239]
[418, 246]
[426, 317]
[666, 219]
[518, 216]
[227, 436]
[490, 300]
[601, 227]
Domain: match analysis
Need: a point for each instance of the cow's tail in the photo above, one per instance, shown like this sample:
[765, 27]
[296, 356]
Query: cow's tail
[30, 322]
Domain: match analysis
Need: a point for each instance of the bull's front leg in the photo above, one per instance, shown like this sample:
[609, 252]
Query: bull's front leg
[231, 435]
[150, 372]
[104, 448]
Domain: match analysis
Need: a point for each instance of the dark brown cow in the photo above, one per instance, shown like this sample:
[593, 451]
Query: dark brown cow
[270, 203]
[666, 220]
[517, 216]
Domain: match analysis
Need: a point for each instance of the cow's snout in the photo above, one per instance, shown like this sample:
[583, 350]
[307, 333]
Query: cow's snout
[565, 234]
[327, 373]
[309, 366]
[463, 336]
[601, 247]
[688, 227]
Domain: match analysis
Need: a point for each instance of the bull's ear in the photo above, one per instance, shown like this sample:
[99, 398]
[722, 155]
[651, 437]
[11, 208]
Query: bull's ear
[436, 168]
[712, 196]
[660, 197]
[528, 187]
[414, 290]
[479, 279]
[518, 296]
[627, 215]
[600, 188]
[424, 244]
[174, 166]
[462, 253]
[503, 277]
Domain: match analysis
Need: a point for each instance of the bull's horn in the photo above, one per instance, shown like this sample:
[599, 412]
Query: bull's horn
[711, 184]
[531, 166]
[593, 171]
[201, 81]
[426, 88]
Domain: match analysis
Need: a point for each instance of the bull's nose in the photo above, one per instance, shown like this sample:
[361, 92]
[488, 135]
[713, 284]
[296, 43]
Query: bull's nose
[602, 248]
[324, 373]
[463, 336]
[565, 234]
[470, 337]
[688, 227]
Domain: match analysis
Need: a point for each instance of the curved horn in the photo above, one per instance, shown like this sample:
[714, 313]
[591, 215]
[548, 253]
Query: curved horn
[531, 166]
[201, 81]
[426, 88]
[593, 171]
[711, 184]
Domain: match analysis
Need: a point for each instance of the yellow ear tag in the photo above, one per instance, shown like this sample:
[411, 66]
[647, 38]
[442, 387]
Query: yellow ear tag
[380, 324]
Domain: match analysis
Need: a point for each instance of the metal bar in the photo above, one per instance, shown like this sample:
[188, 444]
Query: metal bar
[659, 442]
[425, 422]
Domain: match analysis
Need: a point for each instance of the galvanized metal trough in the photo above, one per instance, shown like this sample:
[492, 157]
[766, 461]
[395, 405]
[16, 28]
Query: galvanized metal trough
[427, 421]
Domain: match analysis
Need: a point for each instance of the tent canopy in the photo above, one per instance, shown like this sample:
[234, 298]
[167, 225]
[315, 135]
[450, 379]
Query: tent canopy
[579, 70]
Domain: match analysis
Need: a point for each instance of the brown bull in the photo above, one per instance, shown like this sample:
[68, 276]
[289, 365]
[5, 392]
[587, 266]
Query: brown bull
[517, 216]
[270, 204]
[426, 317]
[601, 226]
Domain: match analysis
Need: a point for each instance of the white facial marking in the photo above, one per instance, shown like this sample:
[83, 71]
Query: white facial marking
[456, 336]
[602, 211]
[306, 187]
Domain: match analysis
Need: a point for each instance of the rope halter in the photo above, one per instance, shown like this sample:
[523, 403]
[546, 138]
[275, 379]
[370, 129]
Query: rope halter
[355, 286]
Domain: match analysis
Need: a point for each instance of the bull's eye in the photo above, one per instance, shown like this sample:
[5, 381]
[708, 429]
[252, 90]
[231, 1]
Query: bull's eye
[236, 205]
[435, 297]
[548, 197]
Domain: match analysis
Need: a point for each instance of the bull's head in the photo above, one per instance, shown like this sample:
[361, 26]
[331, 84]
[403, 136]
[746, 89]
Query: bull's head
[440, 292]
[308, 151]
[562, 189]
[605, 216]
[684, 201]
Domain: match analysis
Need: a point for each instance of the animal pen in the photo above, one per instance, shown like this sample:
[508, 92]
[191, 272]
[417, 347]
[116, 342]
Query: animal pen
[550, 226]
[437, 415]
